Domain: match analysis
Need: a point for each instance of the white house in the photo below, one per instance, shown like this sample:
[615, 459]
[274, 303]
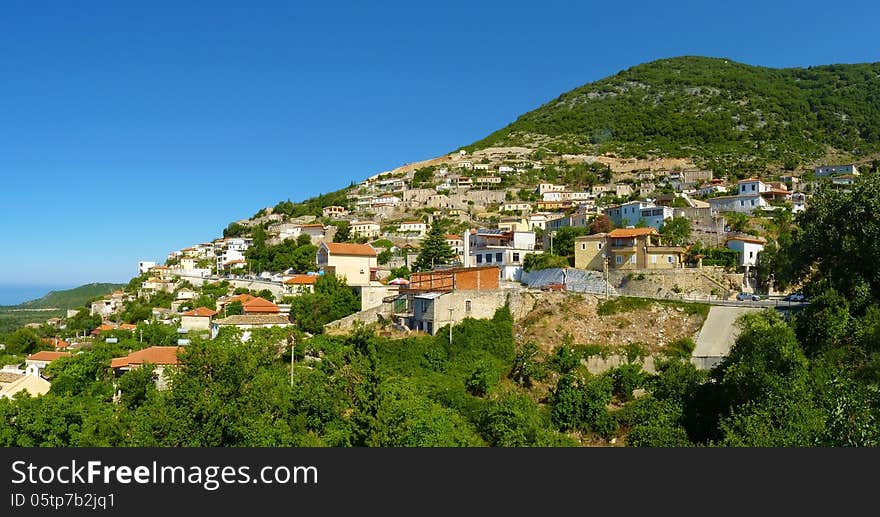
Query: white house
[833, 170]
[549, 187]
[745, 204]
[751, 186]
[748, 248]
[385, 200]
[500, 248]
[144, 266]
[416, 228]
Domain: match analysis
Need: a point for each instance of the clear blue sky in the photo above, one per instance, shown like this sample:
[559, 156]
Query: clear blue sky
[128, 129]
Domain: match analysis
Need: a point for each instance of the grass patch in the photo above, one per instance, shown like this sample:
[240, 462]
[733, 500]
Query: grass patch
[622, 304]
[680, 348]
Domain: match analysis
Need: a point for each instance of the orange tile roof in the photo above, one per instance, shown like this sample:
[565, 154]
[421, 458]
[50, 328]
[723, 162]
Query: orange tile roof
[201, 312]
[453, 237]
[259, 305]
[152, 355]
[341, 248]
[48, 356]
[243, 298]
[103, 328]
[625, 233]
[301, 280]
[57, 343]
[127, 326]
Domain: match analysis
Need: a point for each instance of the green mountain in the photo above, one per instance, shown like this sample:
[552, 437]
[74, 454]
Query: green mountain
[723, 114]
[70, 298]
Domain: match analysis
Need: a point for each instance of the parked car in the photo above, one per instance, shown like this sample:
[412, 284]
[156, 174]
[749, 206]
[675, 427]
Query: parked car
[794, 297]
[747, 297]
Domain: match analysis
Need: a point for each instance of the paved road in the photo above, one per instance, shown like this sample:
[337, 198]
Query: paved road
[718, 334]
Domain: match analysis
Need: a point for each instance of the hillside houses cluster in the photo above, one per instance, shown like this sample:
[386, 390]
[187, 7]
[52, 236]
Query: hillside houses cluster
[499, 221]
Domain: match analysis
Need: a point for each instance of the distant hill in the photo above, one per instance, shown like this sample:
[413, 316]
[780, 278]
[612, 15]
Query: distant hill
[70, 298]
[723, 114]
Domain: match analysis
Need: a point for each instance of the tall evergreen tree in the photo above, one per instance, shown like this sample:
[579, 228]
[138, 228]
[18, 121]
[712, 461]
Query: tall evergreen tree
[435, 251]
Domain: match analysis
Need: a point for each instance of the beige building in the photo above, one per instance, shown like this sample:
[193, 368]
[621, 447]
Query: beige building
[589, 251]
[640, 248]
[197, 319]
[367, 229]
[354, 262]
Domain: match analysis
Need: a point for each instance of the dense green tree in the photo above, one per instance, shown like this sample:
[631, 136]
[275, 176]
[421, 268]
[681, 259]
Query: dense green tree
[343, 231]
[434, 249]
[23, 341]
[83, 322]
[233, 308]
[676, 231]
[481, 380]
[332, 300]
[538, 261]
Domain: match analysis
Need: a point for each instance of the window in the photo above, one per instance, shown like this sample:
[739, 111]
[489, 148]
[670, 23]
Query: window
[499, 257]
[742, 203]
[751, 254]
[670, 259]
[516, 257]
[653, 259]
[632, 259]
[753, 202]
[424, 307]
[488, 258]
[467, 306]
[583, 245]
[599, 244]
[479, 259]
[618, 259]
[753, 187]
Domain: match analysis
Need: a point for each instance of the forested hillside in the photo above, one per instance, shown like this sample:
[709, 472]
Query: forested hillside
[721, 113]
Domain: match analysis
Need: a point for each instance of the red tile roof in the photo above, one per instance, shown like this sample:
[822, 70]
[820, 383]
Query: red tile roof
[243, 298]
[47, 356]
[127, 326]
[152, 355]
[103, 328]
[57, 343]
[625, 233]
[341, 248]
[301, 280]
[260, 306]
[201, 312]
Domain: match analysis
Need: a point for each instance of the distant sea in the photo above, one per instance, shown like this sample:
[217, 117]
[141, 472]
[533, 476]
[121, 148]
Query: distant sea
[16, 294]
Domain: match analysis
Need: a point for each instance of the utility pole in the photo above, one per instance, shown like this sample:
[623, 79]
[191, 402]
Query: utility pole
[450, 326]
[605, 267]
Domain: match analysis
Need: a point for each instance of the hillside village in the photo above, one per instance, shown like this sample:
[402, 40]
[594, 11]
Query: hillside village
[622, 227]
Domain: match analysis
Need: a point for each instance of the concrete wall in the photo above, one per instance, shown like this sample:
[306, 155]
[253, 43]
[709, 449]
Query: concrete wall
[195, 322]
[690, 281]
